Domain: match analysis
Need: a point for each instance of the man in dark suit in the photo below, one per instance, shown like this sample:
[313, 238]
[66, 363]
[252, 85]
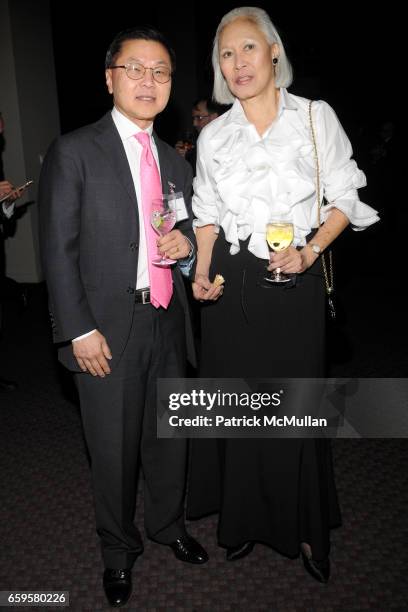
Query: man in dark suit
[113, 332]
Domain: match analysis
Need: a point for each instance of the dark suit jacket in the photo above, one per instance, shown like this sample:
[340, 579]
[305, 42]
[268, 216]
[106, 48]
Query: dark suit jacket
[3, 219]
[89, 235]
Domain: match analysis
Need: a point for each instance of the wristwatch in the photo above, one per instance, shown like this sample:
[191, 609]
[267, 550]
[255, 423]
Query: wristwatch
[191, 251]
[315, 247]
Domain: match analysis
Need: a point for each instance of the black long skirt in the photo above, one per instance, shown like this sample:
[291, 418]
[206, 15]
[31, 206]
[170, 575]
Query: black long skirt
[277, 491]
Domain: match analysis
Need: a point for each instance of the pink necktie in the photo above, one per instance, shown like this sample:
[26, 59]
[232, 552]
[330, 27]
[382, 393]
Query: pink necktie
[161, 285]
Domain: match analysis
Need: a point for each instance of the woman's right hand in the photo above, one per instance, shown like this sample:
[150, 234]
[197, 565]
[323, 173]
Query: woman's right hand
[204, 290]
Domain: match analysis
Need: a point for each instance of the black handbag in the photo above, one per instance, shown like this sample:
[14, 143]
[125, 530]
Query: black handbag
[328, 271]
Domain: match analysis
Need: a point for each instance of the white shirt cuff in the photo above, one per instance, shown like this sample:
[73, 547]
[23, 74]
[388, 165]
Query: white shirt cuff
[84, 335]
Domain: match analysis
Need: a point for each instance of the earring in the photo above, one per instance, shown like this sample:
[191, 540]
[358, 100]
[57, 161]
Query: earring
[275, 60]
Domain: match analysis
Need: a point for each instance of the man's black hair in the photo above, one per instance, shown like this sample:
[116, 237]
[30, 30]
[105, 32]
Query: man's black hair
[212, 107]
[140, 33]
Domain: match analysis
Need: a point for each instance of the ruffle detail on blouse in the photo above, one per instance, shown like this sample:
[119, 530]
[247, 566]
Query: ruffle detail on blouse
[340, 193]
[359, 214]
[280, 171]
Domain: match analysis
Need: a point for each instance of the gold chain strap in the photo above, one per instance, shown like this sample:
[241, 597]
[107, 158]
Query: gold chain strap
[328, 277]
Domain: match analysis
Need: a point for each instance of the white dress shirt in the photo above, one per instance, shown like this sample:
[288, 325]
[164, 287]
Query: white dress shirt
[127, 130]
[8, 210]
[243, 179]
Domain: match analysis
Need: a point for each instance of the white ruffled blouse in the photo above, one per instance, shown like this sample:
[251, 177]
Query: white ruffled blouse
[243, 179]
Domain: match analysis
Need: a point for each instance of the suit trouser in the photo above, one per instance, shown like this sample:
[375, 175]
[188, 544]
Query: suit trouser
[119, 420]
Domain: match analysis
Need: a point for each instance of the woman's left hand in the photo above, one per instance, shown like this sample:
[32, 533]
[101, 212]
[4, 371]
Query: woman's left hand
[292, 261]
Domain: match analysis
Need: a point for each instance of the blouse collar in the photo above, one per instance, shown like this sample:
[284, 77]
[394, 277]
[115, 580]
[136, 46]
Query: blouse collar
[237, 114]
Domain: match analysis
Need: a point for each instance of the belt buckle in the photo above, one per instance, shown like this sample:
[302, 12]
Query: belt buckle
[146, 296]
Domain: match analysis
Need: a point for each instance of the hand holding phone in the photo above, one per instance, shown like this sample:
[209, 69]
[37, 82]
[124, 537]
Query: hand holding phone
[9, 198]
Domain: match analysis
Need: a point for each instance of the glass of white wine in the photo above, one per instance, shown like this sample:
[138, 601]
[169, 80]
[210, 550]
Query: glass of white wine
[279, 236]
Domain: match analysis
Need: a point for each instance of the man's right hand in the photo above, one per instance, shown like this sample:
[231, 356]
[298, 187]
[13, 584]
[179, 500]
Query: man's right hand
[91, 354]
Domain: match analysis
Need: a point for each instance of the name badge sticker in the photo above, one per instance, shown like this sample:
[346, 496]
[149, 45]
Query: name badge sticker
[176, 202]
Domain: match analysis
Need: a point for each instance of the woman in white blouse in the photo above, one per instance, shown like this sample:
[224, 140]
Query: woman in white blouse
[255, 161]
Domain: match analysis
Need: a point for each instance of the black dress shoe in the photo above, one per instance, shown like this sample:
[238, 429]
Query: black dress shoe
[237, 552]
[7, 385]
[320, 570]
[189, 550]
[118, 586]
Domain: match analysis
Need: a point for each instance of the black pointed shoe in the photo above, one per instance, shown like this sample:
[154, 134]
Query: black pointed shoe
[187, 549]
[320, 570]
[117, 584]
[238, 552]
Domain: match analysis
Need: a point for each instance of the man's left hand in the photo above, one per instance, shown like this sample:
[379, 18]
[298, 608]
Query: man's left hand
[174, 245]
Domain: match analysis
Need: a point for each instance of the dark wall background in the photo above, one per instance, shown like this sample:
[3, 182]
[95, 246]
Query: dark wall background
[341, 52]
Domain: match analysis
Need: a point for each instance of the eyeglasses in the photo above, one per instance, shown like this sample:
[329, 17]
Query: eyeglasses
[161, 74]
[200, 117]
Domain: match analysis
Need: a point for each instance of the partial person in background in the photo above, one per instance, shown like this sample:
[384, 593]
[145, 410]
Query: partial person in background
[6, 212]
[204, 111]
[1, 147]
[256, 163]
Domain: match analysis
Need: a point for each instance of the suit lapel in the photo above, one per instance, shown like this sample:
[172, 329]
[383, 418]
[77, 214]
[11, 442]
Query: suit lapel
[165, 163]
[110, 142]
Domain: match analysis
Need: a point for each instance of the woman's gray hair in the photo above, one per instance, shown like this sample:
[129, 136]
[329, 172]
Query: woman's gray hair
[283, 69]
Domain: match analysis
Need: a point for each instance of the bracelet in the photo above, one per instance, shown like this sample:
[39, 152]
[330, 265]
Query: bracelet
[191, 251]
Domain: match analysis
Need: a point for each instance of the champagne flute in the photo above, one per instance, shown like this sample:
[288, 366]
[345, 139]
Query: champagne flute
[279, 236]
[163, 218]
